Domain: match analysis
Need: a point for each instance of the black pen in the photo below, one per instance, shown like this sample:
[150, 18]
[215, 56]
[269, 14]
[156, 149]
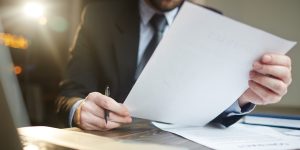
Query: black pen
[106, 113]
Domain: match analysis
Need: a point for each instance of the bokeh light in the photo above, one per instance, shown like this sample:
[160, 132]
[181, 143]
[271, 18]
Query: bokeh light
[43, 21]
[58, 24]
[34, 9]
[18, 70]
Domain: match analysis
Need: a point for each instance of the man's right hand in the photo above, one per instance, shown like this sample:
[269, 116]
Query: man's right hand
[92, 113]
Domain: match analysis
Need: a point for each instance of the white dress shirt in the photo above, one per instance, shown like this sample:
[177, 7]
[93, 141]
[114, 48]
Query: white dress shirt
[146, 31]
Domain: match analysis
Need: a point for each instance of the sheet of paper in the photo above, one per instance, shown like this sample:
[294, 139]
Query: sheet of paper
[200, 67]
[293, 133]
[238, 136]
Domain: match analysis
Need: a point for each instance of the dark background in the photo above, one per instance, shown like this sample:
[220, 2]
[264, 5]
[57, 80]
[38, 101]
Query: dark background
[45, 58]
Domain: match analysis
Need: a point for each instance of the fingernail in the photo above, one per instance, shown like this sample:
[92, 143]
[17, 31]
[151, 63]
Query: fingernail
[257, 66]
[267, 58]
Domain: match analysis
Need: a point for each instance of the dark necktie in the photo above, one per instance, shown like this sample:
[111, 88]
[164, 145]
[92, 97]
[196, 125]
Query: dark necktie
[158, 22]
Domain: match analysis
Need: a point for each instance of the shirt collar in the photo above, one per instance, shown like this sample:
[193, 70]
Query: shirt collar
[146, 13]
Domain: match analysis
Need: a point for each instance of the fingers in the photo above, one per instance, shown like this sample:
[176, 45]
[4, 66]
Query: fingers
[277, 59]
[91, 107]
[266, 96]
[273, 84]
[111, 105]
[269, 80]
[120, 119]
[92, 113]
[99, 112]
[92, 122]
[280, 72]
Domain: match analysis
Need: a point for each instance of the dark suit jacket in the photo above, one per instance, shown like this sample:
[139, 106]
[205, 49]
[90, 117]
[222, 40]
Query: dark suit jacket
[104, 53]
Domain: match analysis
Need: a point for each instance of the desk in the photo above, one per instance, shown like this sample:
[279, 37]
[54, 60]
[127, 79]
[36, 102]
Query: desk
[143, 131]
[140, 134]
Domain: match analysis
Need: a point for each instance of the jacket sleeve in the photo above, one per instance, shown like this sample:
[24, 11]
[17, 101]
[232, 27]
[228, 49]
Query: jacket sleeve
[81, 74]
[228, 118]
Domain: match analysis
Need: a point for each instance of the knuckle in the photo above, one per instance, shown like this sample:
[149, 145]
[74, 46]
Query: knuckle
[84, 108]
[280, 87]
[92, 95]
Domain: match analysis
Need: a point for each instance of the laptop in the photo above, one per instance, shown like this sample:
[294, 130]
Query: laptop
[9, 138]
[13, 113]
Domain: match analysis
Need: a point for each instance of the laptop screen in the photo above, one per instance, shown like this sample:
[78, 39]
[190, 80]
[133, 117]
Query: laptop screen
[9, 138]
[10, 88]
[12, 110]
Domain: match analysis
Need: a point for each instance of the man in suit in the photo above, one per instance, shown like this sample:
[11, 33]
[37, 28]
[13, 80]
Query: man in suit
[114, 42]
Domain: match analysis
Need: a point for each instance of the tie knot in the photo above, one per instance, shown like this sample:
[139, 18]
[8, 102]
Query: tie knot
[158, 22]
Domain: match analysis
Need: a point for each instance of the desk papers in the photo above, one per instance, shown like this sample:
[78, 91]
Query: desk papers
[200, 67]
[238, 136]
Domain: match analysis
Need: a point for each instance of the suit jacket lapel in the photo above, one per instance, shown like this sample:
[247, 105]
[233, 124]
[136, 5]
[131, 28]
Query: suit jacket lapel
[126, 42]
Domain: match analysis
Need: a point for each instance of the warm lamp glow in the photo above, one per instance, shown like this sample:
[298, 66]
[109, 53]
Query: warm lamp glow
[34, 9]
[14, 41]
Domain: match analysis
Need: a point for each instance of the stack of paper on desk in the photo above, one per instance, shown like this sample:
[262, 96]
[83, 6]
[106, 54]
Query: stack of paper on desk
[200, 67]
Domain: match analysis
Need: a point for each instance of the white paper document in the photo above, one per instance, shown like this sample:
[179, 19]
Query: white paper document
[238, 136]
[200, 67]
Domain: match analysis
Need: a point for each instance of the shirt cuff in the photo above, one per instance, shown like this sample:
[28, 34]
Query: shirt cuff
[235, 109]
[72, 112]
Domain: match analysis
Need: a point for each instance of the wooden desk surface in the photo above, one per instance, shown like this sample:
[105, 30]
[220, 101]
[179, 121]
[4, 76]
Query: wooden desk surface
[143, 131]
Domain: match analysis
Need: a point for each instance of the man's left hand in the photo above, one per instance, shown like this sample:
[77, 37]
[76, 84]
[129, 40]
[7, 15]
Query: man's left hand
[269, 80]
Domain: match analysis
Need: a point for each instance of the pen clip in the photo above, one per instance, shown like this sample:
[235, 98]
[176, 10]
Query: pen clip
[107, 91]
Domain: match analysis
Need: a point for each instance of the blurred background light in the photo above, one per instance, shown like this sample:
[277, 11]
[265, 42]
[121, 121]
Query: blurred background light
[13, 41]
[58, 24]
[34, 9]
[43, 21]
[18, 70]
[38, 34]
